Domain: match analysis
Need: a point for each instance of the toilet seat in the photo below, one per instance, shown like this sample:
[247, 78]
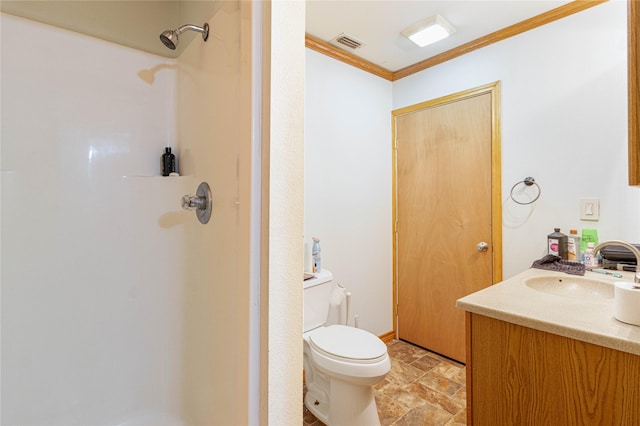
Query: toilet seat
[348, 344]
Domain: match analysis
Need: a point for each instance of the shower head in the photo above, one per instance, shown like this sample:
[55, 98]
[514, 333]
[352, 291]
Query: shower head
[170, 37]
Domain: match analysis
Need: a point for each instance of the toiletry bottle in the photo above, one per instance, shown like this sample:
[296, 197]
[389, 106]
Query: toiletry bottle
[557, 243]
[589, 259]
[589, 235]
[315, 254]
[573, 246]
[168, 162]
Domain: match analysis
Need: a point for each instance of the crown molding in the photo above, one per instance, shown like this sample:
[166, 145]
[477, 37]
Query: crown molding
[346, 57]
[510, 31]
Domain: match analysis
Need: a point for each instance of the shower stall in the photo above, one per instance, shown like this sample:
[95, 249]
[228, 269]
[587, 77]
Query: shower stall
[118, 307]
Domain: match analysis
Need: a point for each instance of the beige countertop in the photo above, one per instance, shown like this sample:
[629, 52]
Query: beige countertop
[590, 320]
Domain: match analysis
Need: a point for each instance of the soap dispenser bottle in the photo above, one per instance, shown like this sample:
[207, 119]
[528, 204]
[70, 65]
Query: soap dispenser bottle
[557, 243]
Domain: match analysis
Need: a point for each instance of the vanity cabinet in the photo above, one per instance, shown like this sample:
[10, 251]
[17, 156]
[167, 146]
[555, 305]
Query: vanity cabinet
[521, 376]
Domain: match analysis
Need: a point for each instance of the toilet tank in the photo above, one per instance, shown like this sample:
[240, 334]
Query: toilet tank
[317, 296]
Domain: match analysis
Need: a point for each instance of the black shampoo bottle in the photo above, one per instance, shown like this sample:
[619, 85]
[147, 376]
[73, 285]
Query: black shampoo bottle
[168, 162]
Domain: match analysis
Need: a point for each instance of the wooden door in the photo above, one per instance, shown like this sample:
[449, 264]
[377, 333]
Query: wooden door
[446, 201]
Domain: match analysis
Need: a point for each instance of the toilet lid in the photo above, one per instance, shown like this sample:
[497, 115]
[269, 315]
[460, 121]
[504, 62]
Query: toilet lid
[348, 342]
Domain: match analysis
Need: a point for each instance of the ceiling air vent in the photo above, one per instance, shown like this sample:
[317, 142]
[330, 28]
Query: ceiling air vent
[347, 40]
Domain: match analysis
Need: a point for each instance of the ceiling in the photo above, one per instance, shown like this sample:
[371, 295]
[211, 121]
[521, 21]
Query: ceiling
[133, 23]
[378, 24]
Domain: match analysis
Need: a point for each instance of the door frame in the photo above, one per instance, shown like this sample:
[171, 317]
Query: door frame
[496, 178]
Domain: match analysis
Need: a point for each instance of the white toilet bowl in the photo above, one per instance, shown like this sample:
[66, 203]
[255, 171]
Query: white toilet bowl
[341, 366]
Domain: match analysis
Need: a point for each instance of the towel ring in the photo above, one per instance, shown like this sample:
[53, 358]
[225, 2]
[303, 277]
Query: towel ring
[528, 181]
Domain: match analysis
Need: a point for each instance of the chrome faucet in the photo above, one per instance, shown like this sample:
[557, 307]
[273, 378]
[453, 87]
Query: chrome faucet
[634, 250]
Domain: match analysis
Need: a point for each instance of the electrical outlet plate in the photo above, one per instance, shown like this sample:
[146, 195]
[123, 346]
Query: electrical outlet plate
[589, 209]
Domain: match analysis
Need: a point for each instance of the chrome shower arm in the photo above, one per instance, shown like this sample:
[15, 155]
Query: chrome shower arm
[204, 30]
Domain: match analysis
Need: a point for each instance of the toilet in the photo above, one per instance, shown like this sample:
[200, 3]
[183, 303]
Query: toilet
[341, 363]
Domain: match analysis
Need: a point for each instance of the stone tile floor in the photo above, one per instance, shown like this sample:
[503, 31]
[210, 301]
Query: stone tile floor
[422, 388]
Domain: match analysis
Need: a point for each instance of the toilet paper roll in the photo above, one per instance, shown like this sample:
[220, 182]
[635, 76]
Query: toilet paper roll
[627, 303]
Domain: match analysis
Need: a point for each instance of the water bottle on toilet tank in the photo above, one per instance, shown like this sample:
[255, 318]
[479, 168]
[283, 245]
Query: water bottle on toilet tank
[316, 265]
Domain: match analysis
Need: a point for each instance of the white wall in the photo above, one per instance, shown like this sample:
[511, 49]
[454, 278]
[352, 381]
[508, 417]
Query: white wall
[564, 109]
[283, 210]
[348, 183]
[564, 122]
[117, 306]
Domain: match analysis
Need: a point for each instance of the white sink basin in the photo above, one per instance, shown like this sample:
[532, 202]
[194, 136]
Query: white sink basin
[571, 286]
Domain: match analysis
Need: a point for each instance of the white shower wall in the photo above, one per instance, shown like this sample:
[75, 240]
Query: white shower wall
[113, 298]
[212, 126]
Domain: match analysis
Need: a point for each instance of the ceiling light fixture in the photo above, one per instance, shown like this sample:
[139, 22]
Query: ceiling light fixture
[429, 30]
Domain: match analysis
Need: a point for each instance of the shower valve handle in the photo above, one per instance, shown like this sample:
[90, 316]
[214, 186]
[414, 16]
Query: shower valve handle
[201, 203]
[193, 202]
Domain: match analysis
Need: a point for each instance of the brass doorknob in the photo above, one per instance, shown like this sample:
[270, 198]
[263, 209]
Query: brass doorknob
[482, 246]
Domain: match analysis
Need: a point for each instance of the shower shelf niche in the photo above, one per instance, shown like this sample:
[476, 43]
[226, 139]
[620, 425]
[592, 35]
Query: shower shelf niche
[156, 177]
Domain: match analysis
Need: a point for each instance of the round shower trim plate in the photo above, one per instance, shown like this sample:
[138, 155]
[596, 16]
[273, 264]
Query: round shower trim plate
[205, 33]
[204, 192]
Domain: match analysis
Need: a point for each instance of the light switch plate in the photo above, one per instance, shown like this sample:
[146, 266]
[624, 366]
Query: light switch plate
[589, 209]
